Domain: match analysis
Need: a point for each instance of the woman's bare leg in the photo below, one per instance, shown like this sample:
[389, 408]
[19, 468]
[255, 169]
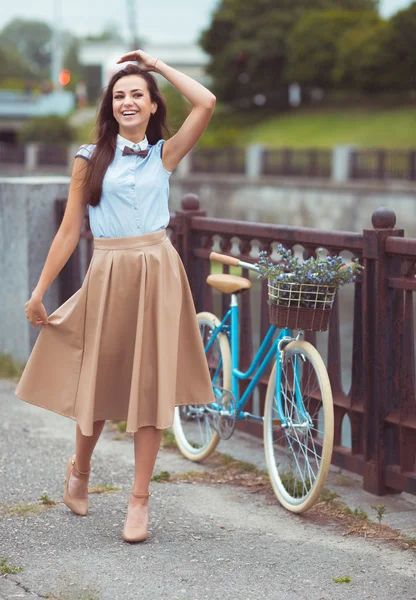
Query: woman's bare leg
[146, 446]
[84, 447]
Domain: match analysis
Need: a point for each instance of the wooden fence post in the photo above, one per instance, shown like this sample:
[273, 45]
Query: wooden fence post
[377, 346]
[190, 207]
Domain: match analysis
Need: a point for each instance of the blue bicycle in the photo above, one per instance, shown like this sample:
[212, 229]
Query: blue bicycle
[298, 420]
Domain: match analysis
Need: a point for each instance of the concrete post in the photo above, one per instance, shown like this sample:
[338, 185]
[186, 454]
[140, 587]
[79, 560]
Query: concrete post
[341, 163]
[185, 166]
[254, 160]
[31, 157]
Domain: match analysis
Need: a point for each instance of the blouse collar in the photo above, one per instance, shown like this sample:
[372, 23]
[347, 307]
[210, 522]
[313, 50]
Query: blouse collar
[122, 142]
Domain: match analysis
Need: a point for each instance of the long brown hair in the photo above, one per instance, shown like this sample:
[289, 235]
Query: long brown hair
[107, 128]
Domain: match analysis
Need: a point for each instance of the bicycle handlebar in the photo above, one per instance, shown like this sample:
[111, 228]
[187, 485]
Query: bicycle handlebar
[225, 259]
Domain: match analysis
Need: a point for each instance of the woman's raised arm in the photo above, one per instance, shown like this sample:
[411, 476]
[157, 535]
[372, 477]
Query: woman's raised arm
[202, 100]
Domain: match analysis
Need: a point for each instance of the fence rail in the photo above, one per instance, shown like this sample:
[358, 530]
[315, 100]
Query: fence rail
[217, 160]
[297, 163]
[380, 402]
[340, 164]
[383, 164]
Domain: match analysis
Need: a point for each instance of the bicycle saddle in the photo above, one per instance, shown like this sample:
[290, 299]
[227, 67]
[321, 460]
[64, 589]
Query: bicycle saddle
[229, 284]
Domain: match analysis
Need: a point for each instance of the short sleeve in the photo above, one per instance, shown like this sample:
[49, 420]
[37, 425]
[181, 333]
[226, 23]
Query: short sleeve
[86, 151]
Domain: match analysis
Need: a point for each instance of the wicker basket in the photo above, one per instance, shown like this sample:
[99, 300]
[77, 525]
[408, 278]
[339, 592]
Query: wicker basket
[302, 306]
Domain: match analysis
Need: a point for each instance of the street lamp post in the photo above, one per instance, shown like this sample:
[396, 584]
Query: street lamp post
[56, 55]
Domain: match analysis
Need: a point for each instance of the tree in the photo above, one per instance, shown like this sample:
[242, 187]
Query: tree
[12, 65]
[247, 42]
[380, 58]
[365, 60]
[313, 44]
[32, 39]
[402, 40]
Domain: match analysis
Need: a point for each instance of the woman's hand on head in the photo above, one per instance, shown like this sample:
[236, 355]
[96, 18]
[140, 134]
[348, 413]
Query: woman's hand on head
[145, 61]
[35, 312]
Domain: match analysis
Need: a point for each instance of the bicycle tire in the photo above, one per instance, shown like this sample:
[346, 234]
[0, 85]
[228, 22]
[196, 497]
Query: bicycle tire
[181, 428]
[295, 492]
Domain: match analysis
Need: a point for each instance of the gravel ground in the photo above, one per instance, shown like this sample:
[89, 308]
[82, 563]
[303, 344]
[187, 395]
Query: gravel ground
[206, 541]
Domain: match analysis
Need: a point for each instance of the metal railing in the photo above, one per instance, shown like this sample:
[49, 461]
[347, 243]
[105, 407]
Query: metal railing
[379, 402]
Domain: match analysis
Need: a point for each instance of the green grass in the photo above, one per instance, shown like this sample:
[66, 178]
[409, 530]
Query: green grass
[44, 498]
[9, 367]
[308, 128]
[162, 476]
[389, 128]
[6, 569]
[103, 488]
[344, 579]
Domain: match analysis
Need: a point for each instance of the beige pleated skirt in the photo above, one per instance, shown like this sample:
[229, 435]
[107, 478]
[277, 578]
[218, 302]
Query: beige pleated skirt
[126, 345]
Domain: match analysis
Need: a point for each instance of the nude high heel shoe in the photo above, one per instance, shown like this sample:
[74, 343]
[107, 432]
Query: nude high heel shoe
[137, 534]
[77, 505]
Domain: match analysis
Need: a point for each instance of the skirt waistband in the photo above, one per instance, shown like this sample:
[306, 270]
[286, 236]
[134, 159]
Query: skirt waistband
[137, 241]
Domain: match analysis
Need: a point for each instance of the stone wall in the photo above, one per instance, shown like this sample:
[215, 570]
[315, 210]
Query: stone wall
[27, 226]
[311, 203]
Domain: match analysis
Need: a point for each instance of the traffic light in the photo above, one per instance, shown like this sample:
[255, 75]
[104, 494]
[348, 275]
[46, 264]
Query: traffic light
[64, 77]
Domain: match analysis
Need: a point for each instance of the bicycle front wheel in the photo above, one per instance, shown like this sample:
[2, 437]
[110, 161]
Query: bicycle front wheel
[195, 436]
[298, 426]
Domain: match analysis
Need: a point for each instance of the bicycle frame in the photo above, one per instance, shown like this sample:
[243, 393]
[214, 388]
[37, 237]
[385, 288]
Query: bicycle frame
[269, 350]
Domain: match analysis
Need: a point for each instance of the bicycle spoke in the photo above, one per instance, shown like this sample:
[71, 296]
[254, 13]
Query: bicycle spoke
[296, 446]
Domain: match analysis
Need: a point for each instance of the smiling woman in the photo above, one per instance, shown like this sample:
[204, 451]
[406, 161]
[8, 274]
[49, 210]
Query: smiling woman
[126, 345]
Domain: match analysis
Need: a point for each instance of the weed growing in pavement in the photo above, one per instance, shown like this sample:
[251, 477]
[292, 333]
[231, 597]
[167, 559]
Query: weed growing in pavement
[168, 440]
[380, 511]
[22, 510]
[357, 512]
[44, 498]
[6, 569]
[328, 496]
[103, 488]
[344, 579]
[9, 367]
[162, 476]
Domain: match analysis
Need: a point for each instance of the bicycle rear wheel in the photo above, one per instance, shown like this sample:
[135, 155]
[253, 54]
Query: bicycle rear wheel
[299, 426]
[195, 436]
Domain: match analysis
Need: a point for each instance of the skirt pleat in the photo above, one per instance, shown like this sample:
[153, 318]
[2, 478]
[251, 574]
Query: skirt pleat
[126, 346]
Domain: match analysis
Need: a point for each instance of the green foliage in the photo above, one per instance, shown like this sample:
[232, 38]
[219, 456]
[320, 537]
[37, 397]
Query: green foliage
[161, 477]
[357, 512]
[381, 510]
[44, 498]
[365, 127]
[32, 40]
[365, 59]
[168, 440]
[178, 107]
[308, 282]
[403, 48]
[6, 569]
[248, 45]
[329, 496]
[51, 129]
[313, 44]
[343, 579]
[9, 367]
[121, 426]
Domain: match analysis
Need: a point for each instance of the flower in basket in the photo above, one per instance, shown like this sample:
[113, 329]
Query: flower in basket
[305, 284]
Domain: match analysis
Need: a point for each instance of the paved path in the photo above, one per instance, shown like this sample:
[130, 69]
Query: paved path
[216, 542]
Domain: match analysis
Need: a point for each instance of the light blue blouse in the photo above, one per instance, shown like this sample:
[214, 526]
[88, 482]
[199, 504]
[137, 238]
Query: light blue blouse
[135, 194]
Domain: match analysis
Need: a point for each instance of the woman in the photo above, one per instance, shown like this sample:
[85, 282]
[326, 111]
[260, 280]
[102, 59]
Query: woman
[126, 345]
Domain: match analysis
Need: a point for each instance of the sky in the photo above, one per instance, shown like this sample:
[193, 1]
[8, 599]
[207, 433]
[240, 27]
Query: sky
[158, 20]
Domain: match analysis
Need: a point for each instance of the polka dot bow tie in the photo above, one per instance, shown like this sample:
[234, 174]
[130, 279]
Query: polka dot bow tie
[129, 151]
